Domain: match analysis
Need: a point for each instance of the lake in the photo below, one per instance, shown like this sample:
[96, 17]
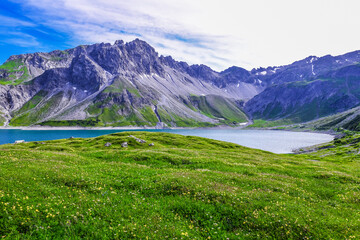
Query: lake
[269, 140]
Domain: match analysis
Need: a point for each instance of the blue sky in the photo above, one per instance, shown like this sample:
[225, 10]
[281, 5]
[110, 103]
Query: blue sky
[217, 33]
[21, 34]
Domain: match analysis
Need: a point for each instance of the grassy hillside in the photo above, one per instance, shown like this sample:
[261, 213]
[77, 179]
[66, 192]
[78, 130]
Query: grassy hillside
[180, 188]
[32, 111]
[215, 106]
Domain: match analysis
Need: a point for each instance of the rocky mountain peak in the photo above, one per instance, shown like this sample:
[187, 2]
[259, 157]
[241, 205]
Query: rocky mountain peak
[119, 42]
[237, 71]
[140, 47]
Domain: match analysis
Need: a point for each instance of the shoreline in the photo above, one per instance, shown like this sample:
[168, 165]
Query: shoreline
[130, 128]
[113, 128]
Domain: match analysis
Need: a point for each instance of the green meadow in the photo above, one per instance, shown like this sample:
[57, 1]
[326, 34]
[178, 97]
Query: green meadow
[183, 187]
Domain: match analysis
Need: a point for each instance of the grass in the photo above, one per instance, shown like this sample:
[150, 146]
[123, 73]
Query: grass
[344, 149]
[145, 116]
[14, 66]
[2, 119]
[91, 122]
[260, 123]
[183, 187]
[56, 59]
[5, 82]
[149, 115]
[110, 116]
[119, 85]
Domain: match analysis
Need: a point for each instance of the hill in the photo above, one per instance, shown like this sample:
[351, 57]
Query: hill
[181, 187]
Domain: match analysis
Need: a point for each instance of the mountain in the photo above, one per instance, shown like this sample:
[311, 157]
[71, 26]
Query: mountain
[114, 85]
[310, 89]
[125, 84]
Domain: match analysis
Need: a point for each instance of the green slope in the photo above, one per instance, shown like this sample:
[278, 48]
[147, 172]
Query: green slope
[15, 71]
[183, 187]
[215, 106]
[33, 112]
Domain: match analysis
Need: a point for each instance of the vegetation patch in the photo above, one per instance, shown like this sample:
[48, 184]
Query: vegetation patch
[149, 115]
[16, 72]
[56, 59]
[332, 123]
[171, 119]
[120, 85]
[353, 125]
[33, 102]
[2, 119]
[35, 114]
[120, 115]
[94, 109]
[5, 82]
[90, 122]
[218, 107]
[12, 66]
[260, 123]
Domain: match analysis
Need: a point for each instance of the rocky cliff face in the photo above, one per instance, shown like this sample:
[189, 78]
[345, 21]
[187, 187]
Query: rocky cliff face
[125, 84]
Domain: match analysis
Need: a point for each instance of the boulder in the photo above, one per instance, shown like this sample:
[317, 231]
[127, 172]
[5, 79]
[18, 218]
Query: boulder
[151, 144]
[124, 144]
[137, 139]
[140, 140]
[107, 144]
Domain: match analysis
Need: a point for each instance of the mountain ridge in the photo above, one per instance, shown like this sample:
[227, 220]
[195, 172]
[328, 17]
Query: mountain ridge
[124, 79]
[122, 84]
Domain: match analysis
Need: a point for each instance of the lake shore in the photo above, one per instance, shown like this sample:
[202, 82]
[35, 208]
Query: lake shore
[222, 127]
[115, 128]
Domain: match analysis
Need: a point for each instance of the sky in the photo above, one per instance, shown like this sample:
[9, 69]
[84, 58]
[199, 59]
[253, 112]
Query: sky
[220, 34]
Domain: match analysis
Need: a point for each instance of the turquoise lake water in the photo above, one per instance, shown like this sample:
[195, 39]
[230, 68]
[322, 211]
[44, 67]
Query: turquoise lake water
[273, 141]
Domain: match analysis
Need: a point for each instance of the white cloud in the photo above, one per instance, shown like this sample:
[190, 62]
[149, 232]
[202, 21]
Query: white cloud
[19, 39]
[13, 22]
[219, 33]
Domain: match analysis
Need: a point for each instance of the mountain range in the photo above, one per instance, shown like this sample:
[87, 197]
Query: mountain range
[129, 84]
